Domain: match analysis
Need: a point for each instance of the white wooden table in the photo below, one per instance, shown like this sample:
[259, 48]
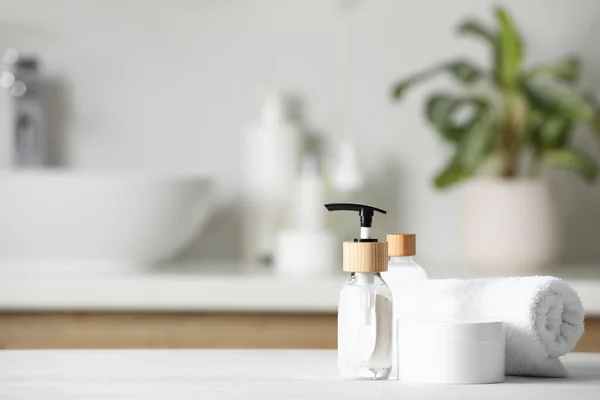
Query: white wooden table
[247, 374]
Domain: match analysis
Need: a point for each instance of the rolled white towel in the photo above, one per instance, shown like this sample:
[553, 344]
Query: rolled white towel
[543, 315]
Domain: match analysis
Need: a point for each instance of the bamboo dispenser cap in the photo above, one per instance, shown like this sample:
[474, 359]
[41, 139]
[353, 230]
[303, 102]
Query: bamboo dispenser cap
[365, 256]
[402, 244]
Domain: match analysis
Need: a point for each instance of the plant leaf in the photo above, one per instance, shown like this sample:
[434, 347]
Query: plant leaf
[401, 86]
[574, 160]
[444, 111]
[553, 97]
[475, 28]
[476, 144]
[450, 175]
[464, 71]
[509, 50]
[566, 70]
[473, 138]
[552, 132]
[592, 100]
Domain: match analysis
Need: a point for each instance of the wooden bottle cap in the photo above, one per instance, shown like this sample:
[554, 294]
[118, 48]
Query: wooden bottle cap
[365, 256]
[402, 244]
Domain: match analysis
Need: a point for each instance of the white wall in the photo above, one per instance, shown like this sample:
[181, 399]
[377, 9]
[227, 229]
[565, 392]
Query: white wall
[171, 85]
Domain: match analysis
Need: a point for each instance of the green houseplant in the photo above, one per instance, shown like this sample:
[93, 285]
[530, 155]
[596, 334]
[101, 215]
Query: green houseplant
[509, 114]
[504, 123]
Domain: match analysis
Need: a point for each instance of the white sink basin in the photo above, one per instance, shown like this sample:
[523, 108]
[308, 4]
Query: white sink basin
[59, 217]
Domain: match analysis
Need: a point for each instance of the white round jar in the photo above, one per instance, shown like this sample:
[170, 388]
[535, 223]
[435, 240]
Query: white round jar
[450, 352]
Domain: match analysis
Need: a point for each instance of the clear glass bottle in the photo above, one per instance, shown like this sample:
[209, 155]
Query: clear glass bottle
[365, 310]
[365, 319]
[403, 273]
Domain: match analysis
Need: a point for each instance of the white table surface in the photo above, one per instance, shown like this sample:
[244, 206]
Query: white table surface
[247, 374]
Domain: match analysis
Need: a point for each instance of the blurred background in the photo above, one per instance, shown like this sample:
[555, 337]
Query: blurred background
[164, 164]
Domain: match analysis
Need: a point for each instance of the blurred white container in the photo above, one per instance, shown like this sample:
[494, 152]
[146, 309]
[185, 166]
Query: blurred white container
[307, 247]
[347, 177]
[84, 217]
[271, 152]
[510, 226]
[305, 252]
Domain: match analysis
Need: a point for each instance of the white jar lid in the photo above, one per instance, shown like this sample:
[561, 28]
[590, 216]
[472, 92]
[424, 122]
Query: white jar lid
[453, 331]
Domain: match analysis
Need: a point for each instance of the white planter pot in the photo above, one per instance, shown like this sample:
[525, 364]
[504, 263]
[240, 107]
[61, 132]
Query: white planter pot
[510, 226]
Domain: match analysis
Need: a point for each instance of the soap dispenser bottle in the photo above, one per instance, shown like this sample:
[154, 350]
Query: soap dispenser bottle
[365, 310]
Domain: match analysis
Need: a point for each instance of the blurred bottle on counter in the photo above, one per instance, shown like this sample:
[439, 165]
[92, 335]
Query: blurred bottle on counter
[309, 195]
[346, 174]
[22, 122]
[272, 151]
[307, 246]
[346, 185]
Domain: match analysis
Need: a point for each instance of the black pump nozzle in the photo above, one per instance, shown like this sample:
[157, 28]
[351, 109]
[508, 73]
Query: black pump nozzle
[366, 213]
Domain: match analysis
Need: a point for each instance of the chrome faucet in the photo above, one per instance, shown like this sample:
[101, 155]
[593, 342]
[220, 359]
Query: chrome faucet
[22, 125]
